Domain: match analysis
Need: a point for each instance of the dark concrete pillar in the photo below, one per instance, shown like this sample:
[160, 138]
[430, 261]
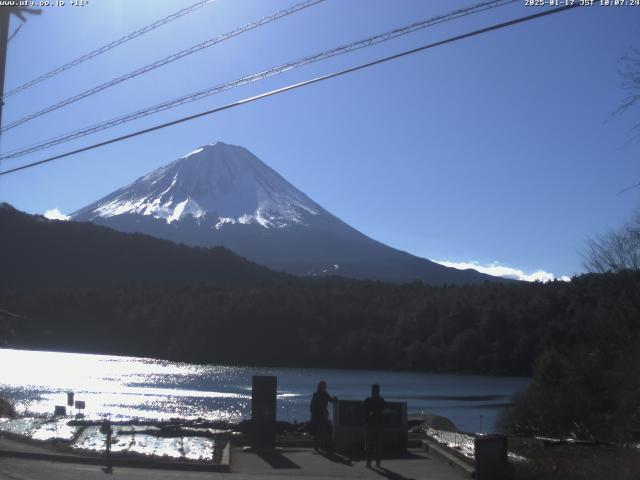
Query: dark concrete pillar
[263, 411]
[491, 457]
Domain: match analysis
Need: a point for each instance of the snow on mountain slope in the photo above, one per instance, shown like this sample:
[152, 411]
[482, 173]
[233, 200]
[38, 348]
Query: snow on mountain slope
[226, 181]
[224, 195]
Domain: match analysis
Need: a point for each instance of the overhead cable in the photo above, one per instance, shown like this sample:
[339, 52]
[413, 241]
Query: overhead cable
[162, 62]
[350, 47]
[105, 48]
[340, 73]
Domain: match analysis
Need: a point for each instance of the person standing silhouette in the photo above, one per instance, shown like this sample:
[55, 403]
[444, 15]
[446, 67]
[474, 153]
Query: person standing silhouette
[373, 418]
[320, 425]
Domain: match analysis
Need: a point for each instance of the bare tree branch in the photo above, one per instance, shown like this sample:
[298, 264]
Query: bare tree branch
[630, 72]
[614, 251]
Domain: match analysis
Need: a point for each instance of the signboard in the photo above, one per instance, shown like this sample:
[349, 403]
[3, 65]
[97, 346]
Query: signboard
[263, 411]
[70, 399]
[80, 405]
[348, 420]
[350, 413]
[392, 415]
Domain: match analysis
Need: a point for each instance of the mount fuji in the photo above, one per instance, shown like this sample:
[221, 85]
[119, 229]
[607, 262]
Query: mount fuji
[224, 195]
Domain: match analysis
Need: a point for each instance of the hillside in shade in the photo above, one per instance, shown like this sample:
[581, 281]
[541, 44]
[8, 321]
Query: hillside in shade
[36, 252]
[223, 195]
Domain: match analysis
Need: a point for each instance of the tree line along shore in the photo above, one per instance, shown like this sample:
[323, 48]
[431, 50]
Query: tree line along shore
[577, 339]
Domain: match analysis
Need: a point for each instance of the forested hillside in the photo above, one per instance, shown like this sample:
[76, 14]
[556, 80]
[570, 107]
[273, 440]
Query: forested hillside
[39, 253]
[108, 292]
[491, 328]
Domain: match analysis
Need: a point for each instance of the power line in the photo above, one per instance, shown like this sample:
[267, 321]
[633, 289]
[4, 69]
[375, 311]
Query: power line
[108, 46]
[350, 47]
[164, 61]
[298, 85]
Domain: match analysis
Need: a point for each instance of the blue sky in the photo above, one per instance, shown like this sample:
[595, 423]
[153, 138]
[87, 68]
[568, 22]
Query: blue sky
[498, 150]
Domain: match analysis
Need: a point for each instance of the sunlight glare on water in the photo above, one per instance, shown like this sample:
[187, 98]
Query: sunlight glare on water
[123, 387]
[129, 387]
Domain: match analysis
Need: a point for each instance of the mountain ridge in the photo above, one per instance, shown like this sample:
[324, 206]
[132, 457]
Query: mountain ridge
[37, 252]
[221, 179]
[223, 195]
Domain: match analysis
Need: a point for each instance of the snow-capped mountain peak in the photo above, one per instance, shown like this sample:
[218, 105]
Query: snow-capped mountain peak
[223, 195]
[225, 183]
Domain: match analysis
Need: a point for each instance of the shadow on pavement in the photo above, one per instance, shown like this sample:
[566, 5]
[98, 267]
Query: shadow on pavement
[386, 473]
[337, 458]
[277, 460]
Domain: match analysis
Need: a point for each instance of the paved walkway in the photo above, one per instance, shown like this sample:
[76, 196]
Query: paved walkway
[305, 463]
[286, 463]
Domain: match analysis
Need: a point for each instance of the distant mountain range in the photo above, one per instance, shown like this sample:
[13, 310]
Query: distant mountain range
[36, 252]
[223, 195]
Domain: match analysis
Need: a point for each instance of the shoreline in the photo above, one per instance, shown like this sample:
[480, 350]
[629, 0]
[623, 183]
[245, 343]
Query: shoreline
[265, 365]
[154, 390]
[178, 441]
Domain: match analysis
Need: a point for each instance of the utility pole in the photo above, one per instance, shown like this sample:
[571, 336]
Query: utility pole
[5, 15]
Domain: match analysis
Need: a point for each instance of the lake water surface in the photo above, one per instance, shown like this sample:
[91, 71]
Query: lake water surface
[128, 387]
